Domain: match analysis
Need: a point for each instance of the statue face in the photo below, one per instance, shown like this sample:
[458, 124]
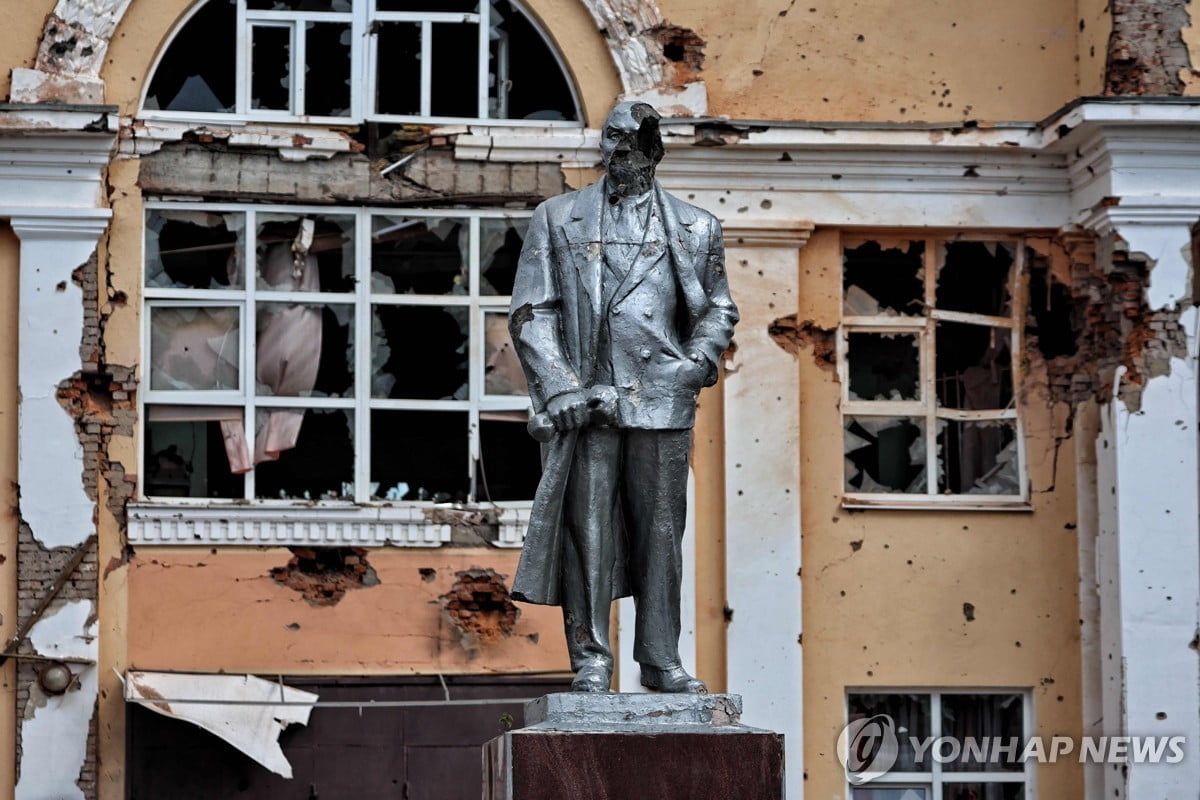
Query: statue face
[631, 146]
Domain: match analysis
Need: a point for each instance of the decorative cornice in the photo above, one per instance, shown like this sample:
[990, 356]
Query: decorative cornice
[767, 233]
[58, 223]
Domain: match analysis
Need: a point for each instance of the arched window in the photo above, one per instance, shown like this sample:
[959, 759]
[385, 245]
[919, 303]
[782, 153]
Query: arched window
[339, 61]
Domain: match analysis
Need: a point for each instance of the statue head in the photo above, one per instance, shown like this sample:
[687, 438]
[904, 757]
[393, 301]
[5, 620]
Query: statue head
[631, 146]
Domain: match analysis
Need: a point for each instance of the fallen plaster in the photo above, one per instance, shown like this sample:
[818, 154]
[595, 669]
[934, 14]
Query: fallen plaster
[54, 731]
[252, 728]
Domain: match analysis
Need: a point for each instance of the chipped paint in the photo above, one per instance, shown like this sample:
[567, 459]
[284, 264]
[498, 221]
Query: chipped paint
[54, 732]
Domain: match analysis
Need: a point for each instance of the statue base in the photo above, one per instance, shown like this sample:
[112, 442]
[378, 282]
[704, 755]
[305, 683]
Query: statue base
[619, 746]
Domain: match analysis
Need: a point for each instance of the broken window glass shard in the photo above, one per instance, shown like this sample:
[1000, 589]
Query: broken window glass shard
[974, 366]
[527, 81]
[194, 249]
[271, 67]
[189, 78]
[398, 68]
[884, 366]
[978, 457]
[304, 454]
[502, 373]
[879, 280]
[500, 242]
[885, 454]
[453, 6]
[327, 73]
[510, 460]
[423, 354]
[194, 348]
[974, 278]
[420, 255]
[185, 454]
[305, 350]
[312, 253]
[455, 72]
[424, 452]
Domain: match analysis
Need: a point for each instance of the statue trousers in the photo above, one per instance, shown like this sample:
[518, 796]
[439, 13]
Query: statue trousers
[633, 483]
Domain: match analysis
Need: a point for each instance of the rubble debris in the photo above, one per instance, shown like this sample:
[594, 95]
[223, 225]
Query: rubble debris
[479, 607]
[323, 575]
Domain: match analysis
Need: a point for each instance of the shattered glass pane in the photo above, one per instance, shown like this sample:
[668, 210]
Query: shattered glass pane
[978, 457]
[271, 67]
[313, 253]
[500, 243]
[419, 455]
[973, 366]
[536, 87]
[974, 278]
[327, 73]
[194, 249]
[305, 350]
[299, 5]
[502, 373]
[983, 791]
[304, 454]
[980, 716]
[911, 713]
[885, 454]
[420, 352]
[188, 78]
[420, 255]
[511, 461]
[455, 77]
[884, 366]
[883, 281]
[194, 348]
[184, 453]
[398, 68]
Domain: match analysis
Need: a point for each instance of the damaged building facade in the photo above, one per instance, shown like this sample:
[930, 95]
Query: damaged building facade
[265, 440]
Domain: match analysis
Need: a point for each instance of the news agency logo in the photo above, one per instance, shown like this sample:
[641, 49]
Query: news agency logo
[868, 748]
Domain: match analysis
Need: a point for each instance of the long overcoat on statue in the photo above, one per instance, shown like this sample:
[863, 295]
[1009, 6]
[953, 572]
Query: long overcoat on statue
[555, 320]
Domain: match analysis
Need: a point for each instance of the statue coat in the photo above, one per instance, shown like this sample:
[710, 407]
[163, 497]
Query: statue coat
[556, 318]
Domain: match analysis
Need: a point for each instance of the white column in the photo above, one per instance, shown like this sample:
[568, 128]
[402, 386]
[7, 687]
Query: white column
[762, 487]
[50, 456]
[1148, 545]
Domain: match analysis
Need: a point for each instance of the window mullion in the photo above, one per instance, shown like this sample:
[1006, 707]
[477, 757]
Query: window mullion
[426, 68]
[363, 342]
[250, 340]
[1017, 300]
[485, 20]
[929, 370]
[242, 60]
[935, 730]
[360, 62]
[475, 359]
[299, 30]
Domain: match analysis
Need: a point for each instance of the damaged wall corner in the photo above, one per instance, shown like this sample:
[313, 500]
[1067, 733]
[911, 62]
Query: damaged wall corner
[1147, 54]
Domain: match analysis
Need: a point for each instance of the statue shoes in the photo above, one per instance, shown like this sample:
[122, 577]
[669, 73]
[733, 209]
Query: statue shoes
[675, 680]
[592, 678]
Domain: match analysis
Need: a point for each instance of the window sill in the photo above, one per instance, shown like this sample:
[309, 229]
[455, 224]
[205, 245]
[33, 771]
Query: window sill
[334, 525]
[888, 502]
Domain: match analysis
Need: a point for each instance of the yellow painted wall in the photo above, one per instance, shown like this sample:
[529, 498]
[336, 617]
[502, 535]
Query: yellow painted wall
[938, 60]
[20, 30]
[890, 614]
[10, 249]
[1095, 23]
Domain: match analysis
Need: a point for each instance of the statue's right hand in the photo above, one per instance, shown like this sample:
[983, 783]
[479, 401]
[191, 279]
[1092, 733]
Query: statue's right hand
[568, 410]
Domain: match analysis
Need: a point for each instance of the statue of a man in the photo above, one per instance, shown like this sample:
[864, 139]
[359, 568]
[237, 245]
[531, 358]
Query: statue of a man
[620, 314]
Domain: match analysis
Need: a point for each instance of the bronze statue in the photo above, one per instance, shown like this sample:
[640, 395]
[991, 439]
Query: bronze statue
[620, 314]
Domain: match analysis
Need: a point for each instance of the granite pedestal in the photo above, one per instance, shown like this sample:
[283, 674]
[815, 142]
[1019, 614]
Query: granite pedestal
[582, 746]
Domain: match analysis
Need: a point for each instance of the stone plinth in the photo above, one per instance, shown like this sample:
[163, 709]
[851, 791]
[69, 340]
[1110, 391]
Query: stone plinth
[634, 746]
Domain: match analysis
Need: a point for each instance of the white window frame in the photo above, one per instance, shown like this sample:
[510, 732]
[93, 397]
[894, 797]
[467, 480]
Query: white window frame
[933, 780]
[361, 404]
[364, 51]
[924, 327]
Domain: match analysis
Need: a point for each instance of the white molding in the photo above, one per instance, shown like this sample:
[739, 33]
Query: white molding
[319, 526]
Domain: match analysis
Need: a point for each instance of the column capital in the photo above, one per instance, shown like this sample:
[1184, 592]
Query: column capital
[767, 233]
[86, 224]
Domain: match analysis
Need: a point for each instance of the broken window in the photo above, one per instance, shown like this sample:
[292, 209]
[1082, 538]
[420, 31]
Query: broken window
[382, 60]
[267, 381]
[975, 720]
[928, 348]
